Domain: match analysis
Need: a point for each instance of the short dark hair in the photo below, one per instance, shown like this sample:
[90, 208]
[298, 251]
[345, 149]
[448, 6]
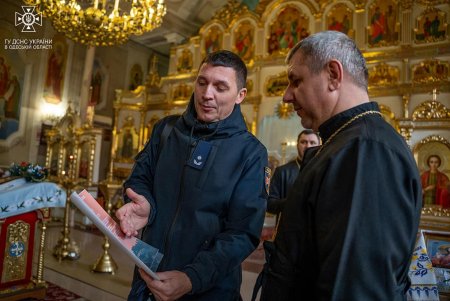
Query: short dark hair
[307, 132]
[433, 156]
[226, 58]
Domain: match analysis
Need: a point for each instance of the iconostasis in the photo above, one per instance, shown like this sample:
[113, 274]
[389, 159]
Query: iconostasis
[405, 43]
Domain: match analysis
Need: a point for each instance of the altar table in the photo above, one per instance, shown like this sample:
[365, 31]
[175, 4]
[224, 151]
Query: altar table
[22, 204]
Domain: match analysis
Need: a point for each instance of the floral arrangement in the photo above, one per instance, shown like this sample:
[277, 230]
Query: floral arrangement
[30, 172]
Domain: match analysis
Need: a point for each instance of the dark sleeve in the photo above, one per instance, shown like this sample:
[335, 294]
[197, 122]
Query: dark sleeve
[275, 202]
[142, 174]
[242, 228]
[367, 222]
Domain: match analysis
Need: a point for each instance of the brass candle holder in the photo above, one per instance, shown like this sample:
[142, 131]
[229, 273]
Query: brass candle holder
[67, 248]
[105, 263]
[39, 281]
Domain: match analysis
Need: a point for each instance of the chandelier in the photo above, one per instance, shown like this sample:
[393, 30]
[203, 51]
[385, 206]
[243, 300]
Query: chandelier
[101, 22]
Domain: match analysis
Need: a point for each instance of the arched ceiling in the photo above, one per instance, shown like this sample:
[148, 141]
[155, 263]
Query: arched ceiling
[182, 20]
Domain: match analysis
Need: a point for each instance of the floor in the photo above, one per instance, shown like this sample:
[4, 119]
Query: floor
[76, 275]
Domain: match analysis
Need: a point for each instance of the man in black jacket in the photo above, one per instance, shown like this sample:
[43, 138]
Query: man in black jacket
[349, 225]
[284, 176]
[202, 195]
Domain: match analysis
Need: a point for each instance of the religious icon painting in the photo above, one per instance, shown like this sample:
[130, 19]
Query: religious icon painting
[97, 84]
[136, 77]
[213, 39]
[431, 26]
[244, 41]
[127, 140]
[184, 61]
[340, 18]
[56, 67]
[438, 248]
[10, 96]
[383, 27]
[13, 71]
[289, 27]
[432, 155]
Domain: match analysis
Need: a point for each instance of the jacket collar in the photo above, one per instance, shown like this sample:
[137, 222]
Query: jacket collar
[229, 126]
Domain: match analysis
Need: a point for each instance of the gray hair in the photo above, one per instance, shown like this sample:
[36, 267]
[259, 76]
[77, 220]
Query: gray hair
[318, 49]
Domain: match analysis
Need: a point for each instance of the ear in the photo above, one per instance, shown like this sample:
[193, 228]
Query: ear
[335, 74]
[241, 96]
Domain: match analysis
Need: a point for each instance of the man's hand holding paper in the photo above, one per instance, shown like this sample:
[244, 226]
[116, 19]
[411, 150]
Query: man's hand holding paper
[133, 216]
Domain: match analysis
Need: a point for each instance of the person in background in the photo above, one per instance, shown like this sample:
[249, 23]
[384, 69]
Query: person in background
[284, 176]
[349, 224]
[201, 196]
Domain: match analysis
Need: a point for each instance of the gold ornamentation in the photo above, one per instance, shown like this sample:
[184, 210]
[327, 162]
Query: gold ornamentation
[99, 23]
[407, 4]
[284, 110]
[389, 116]
[344, 126]
[277, 84]
[153, 77]
[16, 250]
[181, 92]
[232, 9]
[429, 2]
[406, 133]
[405, 99]
[185, 61]
[148, 130]
[430, 71]
[383, 75]
[436, 211]
[249, 85]
[432, 138]
[261, 6]
[430, 110]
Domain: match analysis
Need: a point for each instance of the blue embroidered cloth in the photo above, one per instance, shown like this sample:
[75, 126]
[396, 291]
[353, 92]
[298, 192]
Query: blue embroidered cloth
[19, 196]
[423, 279]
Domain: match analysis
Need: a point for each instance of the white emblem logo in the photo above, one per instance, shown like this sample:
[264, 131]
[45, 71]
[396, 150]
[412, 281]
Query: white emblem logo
[28, 18]
[199, 162]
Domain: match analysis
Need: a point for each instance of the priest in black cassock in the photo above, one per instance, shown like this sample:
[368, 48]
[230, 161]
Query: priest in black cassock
[349, 226]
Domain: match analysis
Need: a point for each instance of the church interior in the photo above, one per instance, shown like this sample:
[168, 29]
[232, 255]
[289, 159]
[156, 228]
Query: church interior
[82, 104]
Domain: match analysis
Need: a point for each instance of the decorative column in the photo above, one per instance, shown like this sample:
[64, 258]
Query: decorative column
[405, 99]
[86, 82]
[360, 23]
[405, 17]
